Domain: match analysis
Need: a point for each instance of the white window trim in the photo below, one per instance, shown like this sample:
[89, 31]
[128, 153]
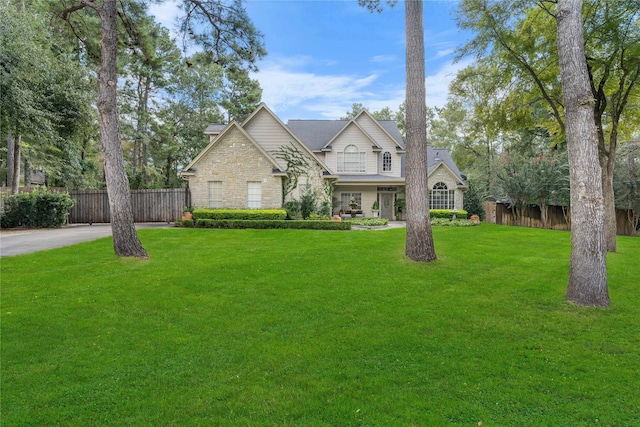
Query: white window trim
[215, 194]
[254, 194]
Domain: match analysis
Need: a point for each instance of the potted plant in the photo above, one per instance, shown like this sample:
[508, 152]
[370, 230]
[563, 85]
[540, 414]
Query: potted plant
[187, 213]
[401, 204]
[375, 209]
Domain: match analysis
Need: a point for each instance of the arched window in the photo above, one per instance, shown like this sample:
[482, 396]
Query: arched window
[352, 160]
[441, 197]
[386, 162]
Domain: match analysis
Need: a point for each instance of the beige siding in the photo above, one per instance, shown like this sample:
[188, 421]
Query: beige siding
[384, 141]
[354, 136]
[270, 134]
[234, 161]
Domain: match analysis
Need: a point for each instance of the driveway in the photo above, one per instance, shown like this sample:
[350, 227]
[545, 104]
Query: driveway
[18, 242]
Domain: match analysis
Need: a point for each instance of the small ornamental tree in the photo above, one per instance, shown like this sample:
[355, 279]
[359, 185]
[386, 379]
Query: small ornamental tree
[627, 182]
[516, 177]
[550, 183]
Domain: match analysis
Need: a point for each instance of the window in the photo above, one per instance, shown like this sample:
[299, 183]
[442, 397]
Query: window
[345, 199]
[352, 160]
[215, 194]
[441, 197]
[254, 195]
[386, 162]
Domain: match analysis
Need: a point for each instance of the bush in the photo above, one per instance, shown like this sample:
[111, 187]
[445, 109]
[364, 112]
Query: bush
[40, 208]
[474, 200]
[308, 204]
[268, 224]
[368, 221]
[437, 222]
[447, 213]
[240, 214]
[293, 209]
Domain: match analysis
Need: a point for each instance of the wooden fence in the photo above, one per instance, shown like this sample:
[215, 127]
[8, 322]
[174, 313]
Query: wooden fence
[499, 213]
[164, 205]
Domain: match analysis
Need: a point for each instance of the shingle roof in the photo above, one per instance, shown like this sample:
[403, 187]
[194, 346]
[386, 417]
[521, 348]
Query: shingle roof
[434, 157]
[214, 129]
[315, 134]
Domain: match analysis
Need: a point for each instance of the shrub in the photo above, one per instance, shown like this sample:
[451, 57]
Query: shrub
[368, 221]
[40, 208]
[447, 213]
[240, 214]
[474, 200]
[308, 203]
[438, 222]
[271, 224]
[293, 209]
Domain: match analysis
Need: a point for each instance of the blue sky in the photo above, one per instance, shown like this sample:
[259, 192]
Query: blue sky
[325, 55]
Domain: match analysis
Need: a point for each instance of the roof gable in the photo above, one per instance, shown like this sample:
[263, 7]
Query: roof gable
[349, 125]
[231, 126]
[389, 127]
[263, 109]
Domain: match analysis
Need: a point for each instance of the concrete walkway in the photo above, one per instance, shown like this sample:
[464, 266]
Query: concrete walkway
[18, 242]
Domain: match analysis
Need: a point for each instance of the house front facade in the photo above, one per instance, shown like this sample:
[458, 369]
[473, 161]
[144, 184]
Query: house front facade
[263, 163]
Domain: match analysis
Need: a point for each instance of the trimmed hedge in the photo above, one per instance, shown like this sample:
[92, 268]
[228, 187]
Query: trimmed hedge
[447, 213]
[270, 224]
[443, 222]
[40, 208]
[240, 214]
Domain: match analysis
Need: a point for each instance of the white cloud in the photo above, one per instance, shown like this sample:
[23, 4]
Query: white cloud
[383, 58]
[295, 94]
[438, 84]
[166, 13]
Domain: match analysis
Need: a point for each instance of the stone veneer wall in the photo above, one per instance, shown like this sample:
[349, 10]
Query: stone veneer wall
[234, 161]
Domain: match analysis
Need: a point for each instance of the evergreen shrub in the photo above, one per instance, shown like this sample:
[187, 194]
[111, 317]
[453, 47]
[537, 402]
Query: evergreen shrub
[40, 208]
[447, 213]
[240, 214]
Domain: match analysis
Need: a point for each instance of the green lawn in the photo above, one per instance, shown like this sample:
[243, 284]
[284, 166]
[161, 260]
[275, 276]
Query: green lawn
[318, 328]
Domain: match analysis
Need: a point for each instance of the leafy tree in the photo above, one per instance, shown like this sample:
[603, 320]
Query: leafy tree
[551, 185]
[356, 108]
[518, 38]
[627, 181]
[241, 95]
[227, 35]
[588, 271]
[44, 104]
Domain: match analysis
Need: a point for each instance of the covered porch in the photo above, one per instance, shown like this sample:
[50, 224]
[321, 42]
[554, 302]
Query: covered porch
[369, 197]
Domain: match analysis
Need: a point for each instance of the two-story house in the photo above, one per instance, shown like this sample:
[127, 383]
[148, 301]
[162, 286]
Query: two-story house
[361, 159]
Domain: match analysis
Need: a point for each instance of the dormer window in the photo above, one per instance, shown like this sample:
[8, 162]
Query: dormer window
[386, 162]
[352, 160]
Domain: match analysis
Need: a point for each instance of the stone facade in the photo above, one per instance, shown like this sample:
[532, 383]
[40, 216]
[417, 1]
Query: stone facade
[442, 174]
[234, 161]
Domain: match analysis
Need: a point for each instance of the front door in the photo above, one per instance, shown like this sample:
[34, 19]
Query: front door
[386, 205]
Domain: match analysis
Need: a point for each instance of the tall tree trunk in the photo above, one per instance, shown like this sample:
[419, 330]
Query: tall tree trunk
[15, 164]
[125, 239]
[10, 153]
[588, 270]
[610, 222]
[419, 244]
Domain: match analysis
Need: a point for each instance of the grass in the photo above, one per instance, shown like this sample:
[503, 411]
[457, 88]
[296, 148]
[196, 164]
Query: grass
[317, 328]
